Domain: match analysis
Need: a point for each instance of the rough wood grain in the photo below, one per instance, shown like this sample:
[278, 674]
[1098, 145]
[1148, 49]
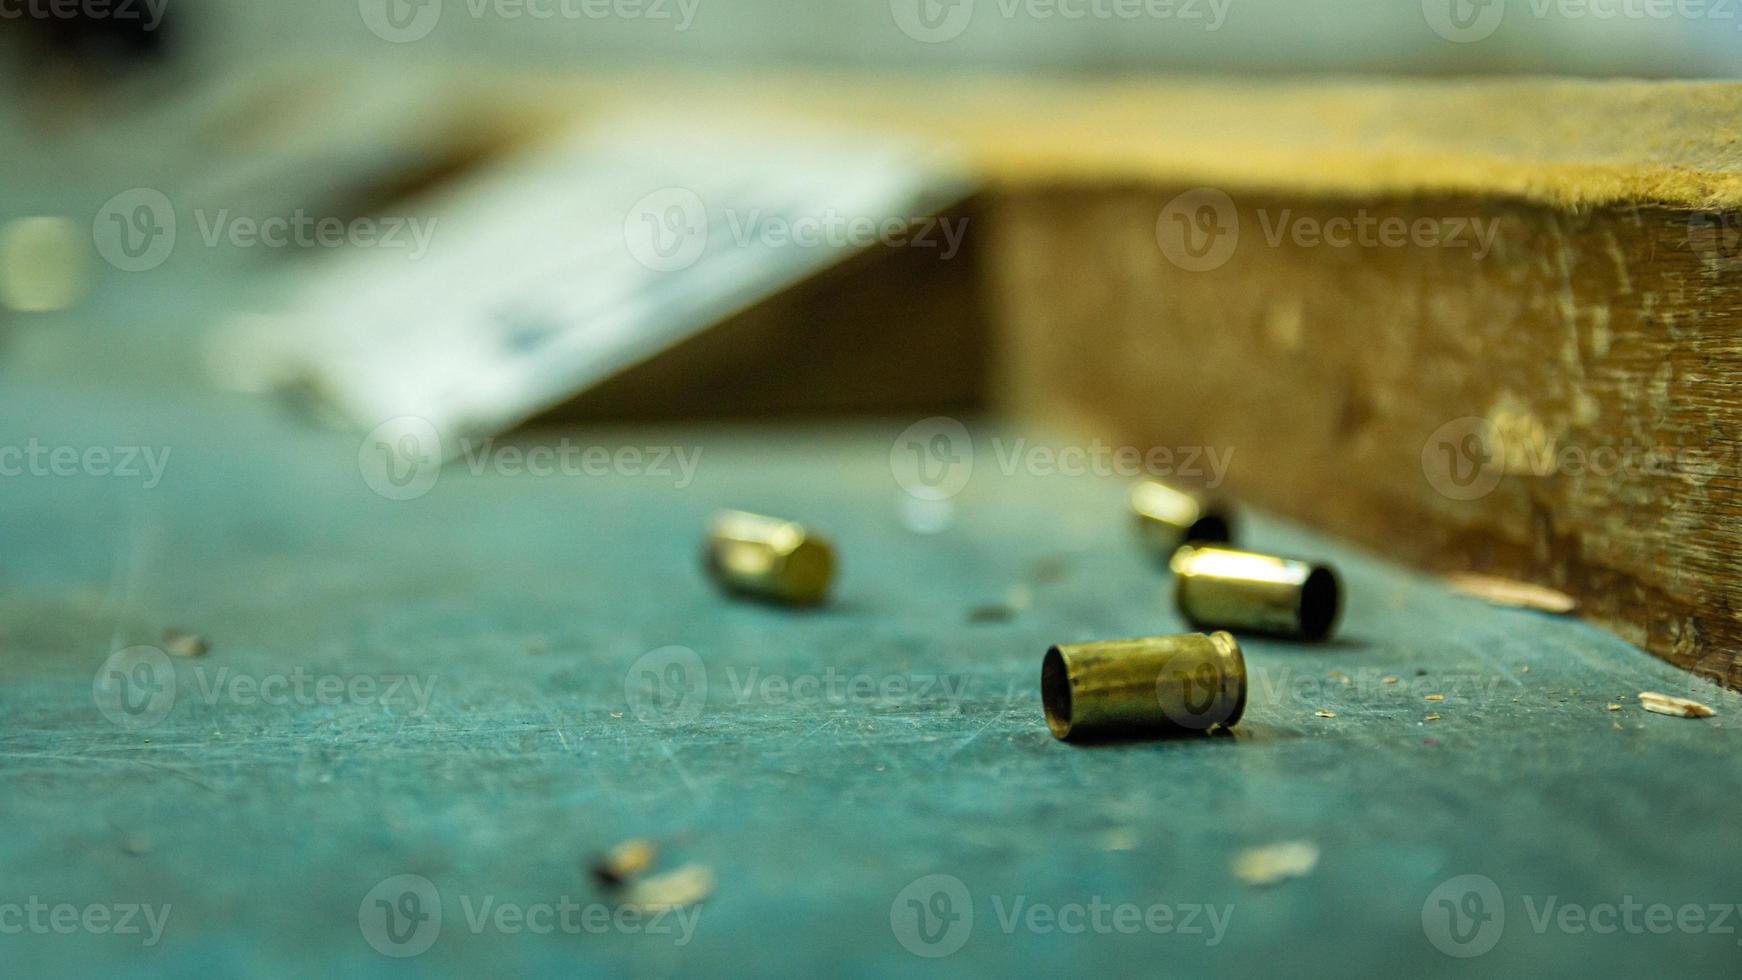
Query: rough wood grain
[1593, 356]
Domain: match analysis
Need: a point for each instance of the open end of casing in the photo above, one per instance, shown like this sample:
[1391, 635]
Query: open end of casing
[1320, 597]
[1212, 528]
[1055, 693]
[1235, 671]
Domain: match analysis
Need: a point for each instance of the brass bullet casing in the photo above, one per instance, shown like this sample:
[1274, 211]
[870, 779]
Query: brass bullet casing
[769, 558]
[624, 861]
[1220, 588]
[1168, 517]
[1160, 685]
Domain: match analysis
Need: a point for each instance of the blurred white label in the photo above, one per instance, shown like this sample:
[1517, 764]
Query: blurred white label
[561, 268]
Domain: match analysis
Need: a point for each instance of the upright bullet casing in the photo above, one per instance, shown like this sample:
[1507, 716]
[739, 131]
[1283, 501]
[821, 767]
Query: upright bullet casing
[769, 558]
[1220, 588]
[1168, 517]
[1160, 685]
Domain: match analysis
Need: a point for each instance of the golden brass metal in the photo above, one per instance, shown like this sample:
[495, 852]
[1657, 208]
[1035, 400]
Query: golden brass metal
[624, 861]
[769, 558]
[1159, 685]
[1220, 588]
[1168, 517]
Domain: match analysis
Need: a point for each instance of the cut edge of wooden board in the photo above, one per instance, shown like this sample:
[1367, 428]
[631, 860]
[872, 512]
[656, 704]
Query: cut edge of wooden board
[1568, 143]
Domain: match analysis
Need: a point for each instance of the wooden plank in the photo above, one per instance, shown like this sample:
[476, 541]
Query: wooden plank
[1592, 357]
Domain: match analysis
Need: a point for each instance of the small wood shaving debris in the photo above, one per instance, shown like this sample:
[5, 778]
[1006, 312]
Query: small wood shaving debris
[991, 613]
[1276, 862]
[1431, 718]
[1389, 679]
[1512, 593]
[1669, 704]
[1322, 713]
[185, 644]
[1614, 707]
[674, 889]
[624, 861]
[1434, 697]
[1122, 839]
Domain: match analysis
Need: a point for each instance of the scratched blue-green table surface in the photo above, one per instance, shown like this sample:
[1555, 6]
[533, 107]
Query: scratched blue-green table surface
[901, 736]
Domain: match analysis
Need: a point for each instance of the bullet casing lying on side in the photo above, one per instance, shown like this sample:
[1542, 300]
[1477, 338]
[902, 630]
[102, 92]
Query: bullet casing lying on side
[769, 558]
[1221, 588]
[1168, 517]
[1159, 685]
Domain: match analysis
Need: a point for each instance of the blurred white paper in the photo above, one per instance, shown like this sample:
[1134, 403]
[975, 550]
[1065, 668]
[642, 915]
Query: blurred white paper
[555, 270]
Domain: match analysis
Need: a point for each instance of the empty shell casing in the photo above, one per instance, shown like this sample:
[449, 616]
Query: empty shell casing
[1159, 685]
[1168, 517]
[624, 861]
[769, 558]
[1220, 588]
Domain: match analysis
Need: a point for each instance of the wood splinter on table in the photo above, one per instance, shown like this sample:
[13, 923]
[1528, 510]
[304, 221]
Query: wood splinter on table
[184, 643]
[1275, 863]
[674, 889]
[1512, 593]
[1669, 704]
